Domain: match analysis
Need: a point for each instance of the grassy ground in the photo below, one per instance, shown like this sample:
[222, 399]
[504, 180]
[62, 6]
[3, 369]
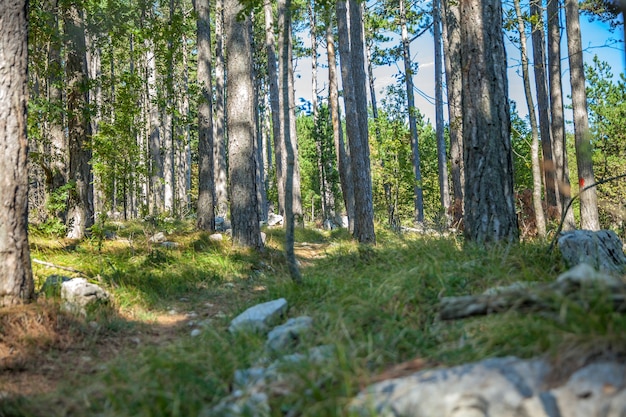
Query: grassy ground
[376, 305]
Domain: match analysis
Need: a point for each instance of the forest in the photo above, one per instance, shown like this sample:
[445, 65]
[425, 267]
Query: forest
[159, 150]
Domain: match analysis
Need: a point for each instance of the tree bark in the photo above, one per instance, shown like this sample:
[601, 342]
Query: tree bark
[489, 214]
[442, 158]
[205, 210]
[16, 279]
[589, 219]
[557, 121]
[452, 58]
[343, 162]
[243, 207]
[221, 181]
[540, 220]
[418, 191]
[545, 131]
[355, 98]
[80, 201]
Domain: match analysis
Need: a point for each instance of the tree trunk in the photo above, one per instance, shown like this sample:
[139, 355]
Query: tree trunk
[169, 177]
[588, 199]
[288, 118]
[205, 211]
[410, 96]
[540, 220]
[355, 97]
[343, 162]
[154, 122]
[489, 214]
[557, 120]
[288, 101]
[241, 168]
[221, 182]
[539, 58]
[442, 158]
[452, 57]
[16, 279]
[80, 202]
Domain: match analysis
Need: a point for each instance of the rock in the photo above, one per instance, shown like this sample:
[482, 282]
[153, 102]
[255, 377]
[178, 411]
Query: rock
[583, 274]
[52, 286]
[274, 219]
[503, 387]
[216, 237]
[259, 317]
[169, 245]
[508, 289]
[79, 295]
[286, 335]
[241, 404]
[263, 237]
[195, 332]
[498, 385]
[158, 238]
[602, 250]
[345, 223]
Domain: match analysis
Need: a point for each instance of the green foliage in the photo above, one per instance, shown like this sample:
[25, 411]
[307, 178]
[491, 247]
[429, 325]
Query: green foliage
[522, 159]
[606, 98]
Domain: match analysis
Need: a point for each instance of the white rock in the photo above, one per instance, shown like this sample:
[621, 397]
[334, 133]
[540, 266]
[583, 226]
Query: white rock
[158, 238]
[78, 294]
[216, 237]
[195, 332]
[584, 273]
[601, 249]
[259, 317]
[274, 219]
[285, 335]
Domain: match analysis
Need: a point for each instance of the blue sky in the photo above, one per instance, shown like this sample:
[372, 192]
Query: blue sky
[596, 38]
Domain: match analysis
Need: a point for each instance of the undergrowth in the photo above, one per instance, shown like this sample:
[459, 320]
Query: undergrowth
[377, 306]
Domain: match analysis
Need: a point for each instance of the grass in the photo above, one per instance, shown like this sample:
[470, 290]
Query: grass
[376, 305]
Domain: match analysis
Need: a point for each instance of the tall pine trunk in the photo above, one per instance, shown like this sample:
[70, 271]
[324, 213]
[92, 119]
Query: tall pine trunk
[589, 219]
[240, 113]
[219, 145]
[343, 161]
[16, 279]
[452, 59]
[489, 214]
[540, 220]
[205, 210]
[351, 49]
[557, 120]
[442, 158]
[80, 202]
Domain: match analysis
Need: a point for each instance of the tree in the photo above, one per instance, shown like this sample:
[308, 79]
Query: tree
[206, 186]
[16, 279]
[442, 158]
[540, 220]
[242, 170]
[589, 219]
[489, 214]
[343, 158]
[410, 96]
[557, 120]
[80, 203]
[219, 140]
[355, 98]
[452, 58]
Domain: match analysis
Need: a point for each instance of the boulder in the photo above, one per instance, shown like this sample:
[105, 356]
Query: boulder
[158, 238]
[274, 219]
[288, 334]
[260, 317]
[216, 237]
[79, 295]
[602, 250]
[503, 387]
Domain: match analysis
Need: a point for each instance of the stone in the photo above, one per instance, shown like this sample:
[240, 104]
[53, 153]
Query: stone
[259, 317]
[79, 295]
[584, 273]
[288, 334]
[274, 219]
[195, 332]
[263, 237]
[158, 238]
[503, 387]
[241, 404]
[169, 245]
[216, 237]
[602, 250]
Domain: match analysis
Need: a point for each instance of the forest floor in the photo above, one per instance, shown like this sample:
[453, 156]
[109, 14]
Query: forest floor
[378, 305]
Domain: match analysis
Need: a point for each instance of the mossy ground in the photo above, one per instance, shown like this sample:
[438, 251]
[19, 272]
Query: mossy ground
[377, 306]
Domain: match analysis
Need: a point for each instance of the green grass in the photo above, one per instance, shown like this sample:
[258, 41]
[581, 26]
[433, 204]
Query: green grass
[376, 305]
